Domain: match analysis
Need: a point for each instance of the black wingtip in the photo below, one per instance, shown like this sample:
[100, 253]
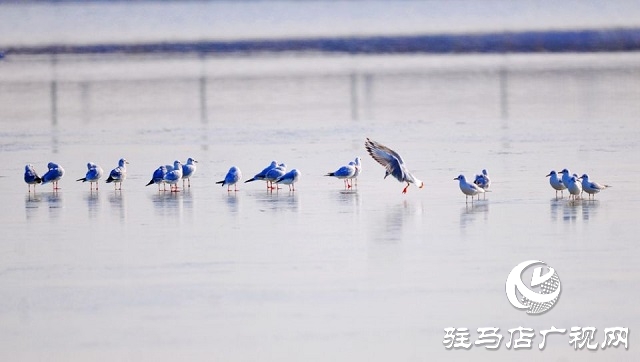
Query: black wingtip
[109, 180]
[150, 183]
[220, 182]
[82, 179]
[249, 180]
[368, 144]
[330, 174]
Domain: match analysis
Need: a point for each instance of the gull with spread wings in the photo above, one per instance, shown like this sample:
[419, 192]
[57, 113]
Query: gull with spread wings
[392, 162]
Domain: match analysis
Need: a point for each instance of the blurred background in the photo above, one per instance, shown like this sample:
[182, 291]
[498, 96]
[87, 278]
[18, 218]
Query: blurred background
[68, 23]
[152, 62]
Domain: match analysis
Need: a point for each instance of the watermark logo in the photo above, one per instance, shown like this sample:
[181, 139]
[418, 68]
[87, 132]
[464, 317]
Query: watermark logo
[537, 297]
[541, 294]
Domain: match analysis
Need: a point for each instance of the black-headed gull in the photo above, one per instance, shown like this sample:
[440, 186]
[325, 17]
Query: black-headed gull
[566, 176]
[158, 177]
[172, 177]
[358, 164]
[574, 187]
[345, 173]
[55, 173]
[289, 178]
[118, 174]
[233, 176]
[273, 174]
[31, 177]
[392, 162]
[94, 173]
[556, 182]
[262, 174]
[469, 189]
[483, 181]
[591, 188]
[188, 170]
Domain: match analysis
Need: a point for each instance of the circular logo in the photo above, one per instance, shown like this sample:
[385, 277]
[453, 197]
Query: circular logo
[543, 291]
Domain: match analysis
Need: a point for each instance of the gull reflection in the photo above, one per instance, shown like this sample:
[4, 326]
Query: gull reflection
[565, 210]
[397, 218]
[555, 205]
[31, 205]
[54, 199]
[348, 201]
[571, 210]
[187, 202]
[93, 203]
[232, 201]
[278, 201]
[117, 202]
[589, 208]
[400, 223]
[168, 204]
[471, 212]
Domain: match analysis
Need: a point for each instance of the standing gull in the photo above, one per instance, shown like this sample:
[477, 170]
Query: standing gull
[483, 181]
[158, 177]
[94, 172]
[574, 187]
[591, 188]
[118, 174]
[31, 177]
[233, 176]
[289, 178]
[469, 189]
[392, 162]
[262, 174]
[566, 177]
[273, 174]
[188, 170]
[172, 177]
[55, 173]
[556, 182]
[344, 173]
[358, 165]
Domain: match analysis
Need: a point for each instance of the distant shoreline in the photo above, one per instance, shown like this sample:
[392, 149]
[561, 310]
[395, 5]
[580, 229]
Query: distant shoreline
[587, 40]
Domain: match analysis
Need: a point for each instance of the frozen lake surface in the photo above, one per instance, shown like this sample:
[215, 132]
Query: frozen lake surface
[319, 273]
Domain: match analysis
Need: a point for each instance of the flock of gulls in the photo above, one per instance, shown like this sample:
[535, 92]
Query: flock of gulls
[276, 173]
[570, 183]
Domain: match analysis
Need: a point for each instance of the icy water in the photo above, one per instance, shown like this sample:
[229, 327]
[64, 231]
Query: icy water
[320, 273]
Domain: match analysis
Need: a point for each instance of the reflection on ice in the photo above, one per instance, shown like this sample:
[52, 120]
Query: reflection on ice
[54, 199]
[173, 205]
[589, 208]
[471, 212]
[348, 200]
[231, 198]
[93, 203]
[168, 204]
[117, 202]
[277, 201]
[395, 220]
[571, 210]
[31, 205]
[54, 204]
[32, 200]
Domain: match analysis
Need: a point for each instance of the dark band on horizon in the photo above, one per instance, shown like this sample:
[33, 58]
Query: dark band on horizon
[587, 40]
